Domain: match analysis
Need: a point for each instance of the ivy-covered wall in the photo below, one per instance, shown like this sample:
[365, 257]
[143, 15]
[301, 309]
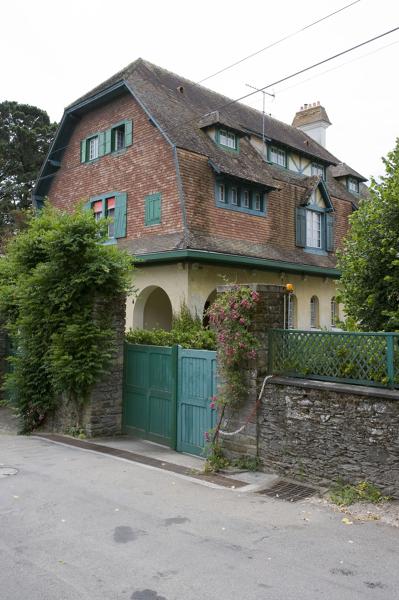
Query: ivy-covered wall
[102, 415]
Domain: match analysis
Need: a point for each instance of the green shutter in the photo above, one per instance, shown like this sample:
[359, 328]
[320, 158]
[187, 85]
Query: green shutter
[329, 232]
[107, 137]
[120, 215]
[152, 206]
[128, 133]
[101, 144]
[83, 145]
[300, 224]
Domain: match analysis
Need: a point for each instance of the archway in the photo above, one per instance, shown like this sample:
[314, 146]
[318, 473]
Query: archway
[152, 309]
[210, 300]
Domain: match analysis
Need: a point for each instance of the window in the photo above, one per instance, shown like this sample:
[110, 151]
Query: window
[353, 185]
[234, 196]
[152, 204]
[93, 147]
[250, 199]
[227, 138]
[113, 206]
[221, 191]
[118, 138]
[334, 312]
[314, 312]
[313, 229]
[110, 214]
[278, 156]
[291, 311]
[318, 170]
[245, 199]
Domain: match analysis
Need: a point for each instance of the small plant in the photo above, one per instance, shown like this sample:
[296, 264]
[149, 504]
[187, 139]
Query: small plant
[345, 495]
[216, 461]
[247, 463]
[76, 432]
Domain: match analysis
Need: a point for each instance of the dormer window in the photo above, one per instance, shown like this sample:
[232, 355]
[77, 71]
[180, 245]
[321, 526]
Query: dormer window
[227, 139]
[234, 196]
[241, 197]
[93, 147]
[318, 170]
[313, 229]
[278, 156]
[353, 185]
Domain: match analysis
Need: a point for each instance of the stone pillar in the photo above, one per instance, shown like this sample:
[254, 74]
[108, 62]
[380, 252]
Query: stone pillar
[102, 414]
[269, 313]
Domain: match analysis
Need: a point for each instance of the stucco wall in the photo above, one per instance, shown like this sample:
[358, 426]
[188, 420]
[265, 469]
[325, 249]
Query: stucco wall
[323, 432]
[193, 283]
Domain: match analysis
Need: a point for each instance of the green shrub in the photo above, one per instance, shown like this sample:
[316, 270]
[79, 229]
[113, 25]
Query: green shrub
[344, 495]
[187, 331]
[58, 287]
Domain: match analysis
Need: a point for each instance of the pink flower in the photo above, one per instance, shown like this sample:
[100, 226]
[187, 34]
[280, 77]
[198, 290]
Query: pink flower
[206, 436]
[255, 296]
[212, 405]
[242, 321]
[252, 354]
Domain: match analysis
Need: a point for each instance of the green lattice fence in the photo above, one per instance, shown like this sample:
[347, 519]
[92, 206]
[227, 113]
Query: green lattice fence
[360, 358]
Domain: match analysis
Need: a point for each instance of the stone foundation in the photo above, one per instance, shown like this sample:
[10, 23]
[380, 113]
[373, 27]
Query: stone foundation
[324, 432]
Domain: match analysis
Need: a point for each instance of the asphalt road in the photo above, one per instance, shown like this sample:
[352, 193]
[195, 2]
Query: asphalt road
[75, 525]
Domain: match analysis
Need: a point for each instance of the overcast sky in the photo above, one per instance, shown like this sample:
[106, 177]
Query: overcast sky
[54, 52]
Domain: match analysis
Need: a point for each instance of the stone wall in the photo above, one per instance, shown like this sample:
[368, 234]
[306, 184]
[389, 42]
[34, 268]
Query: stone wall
[269, 314]
[102, 415]
[323, 432]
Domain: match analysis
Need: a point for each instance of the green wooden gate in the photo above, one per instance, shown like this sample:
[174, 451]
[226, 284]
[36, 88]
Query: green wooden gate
[167, 393]
[196, 386]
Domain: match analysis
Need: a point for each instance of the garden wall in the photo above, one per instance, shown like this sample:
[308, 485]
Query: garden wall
[103, 412]
[323, 432]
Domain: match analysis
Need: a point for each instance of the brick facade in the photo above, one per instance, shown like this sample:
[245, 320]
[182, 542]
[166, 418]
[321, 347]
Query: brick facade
[145, 167]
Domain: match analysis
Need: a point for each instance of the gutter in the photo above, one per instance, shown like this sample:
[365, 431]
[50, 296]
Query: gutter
[234, 259]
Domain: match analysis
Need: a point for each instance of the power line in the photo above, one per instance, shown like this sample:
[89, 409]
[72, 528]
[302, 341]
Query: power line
[348, 62]
[290, 35]
[304, 70]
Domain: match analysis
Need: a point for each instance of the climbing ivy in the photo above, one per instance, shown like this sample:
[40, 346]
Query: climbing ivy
[58, 286]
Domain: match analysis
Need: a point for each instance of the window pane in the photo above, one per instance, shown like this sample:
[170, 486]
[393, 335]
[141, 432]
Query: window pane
[314, 312]
[245, 199]
[313, 229]
[226, 138]
[257, 201]
[277, 156]
[119, 138]
[93, 148]
[318, 170]
[233, 196]
[221, 193]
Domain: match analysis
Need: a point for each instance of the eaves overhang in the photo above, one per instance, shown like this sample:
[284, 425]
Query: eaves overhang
[204, 256]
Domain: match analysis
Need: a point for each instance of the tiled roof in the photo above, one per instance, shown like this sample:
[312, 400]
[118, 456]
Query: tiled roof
[342, 170]
[179, 106]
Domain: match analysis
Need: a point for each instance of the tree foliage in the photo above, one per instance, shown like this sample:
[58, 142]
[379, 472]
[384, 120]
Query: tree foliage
[369, 260]
[58, 286]
[25, 136]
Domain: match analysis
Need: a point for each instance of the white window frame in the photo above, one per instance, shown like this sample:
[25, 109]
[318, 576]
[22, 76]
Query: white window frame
[234, 196]
[93, 147]
[257, 201]
[278, 156]
[314, 312]
[119, 138]
[353, 185]
[221, 193]
[245, 198]
[318, 169]
[313, 229]
[228, 139]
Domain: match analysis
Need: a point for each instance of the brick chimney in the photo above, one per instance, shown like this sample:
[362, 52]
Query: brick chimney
[313, 120]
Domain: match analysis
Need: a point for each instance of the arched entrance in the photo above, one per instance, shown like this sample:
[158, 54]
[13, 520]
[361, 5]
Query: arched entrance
[210, 300]
[152, 309]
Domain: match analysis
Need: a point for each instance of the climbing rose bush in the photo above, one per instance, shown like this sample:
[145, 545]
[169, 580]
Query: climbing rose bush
[231, 317]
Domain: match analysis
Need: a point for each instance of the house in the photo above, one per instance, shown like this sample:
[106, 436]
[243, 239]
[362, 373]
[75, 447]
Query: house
[202, 189]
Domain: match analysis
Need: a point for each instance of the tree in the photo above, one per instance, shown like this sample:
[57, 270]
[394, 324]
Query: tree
[58, 287]
[25, 137]
[369, 260]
